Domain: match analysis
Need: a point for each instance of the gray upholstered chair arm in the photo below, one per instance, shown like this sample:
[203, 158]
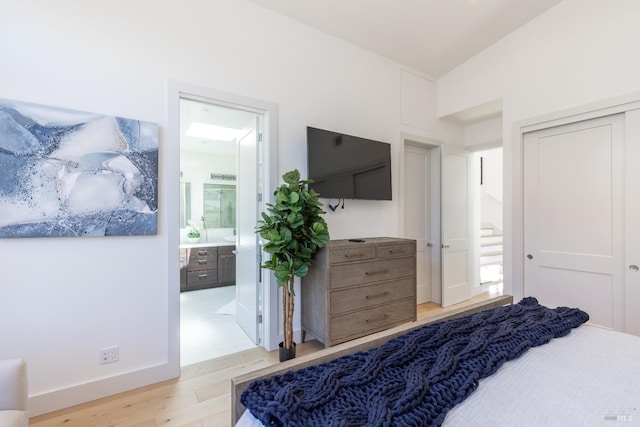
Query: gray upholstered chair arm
[13, 385]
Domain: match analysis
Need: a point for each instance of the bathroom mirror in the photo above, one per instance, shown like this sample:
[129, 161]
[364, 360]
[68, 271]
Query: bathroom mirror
[219, 205]
[185, 203]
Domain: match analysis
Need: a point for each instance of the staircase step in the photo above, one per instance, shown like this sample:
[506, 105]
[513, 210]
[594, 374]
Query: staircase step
[493, 247]
[490, 259]
[490, 263]
[486, 232]
[496, 238]
[490, 242]
[490, 253]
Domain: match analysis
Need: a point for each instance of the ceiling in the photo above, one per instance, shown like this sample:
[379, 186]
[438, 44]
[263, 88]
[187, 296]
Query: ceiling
[429, 36]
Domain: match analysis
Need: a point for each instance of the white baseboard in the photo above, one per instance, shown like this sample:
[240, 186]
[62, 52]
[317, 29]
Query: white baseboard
[82, 393]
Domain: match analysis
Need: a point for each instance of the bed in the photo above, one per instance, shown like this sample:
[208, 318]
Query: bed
[585, 376]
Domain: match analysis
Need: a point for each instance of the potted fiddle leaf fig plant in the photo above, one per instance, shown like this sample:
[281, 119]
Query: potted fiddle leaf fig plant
[292, 232]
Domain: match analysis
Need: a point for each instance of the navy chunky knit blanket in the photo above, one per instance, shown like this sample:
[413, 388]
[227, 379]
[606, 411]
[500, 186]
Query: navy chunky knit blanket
[412, 380]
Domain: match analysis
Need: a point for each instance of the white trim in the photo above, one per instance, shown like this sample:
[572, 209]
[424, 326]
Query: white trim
[484, 146]
[70, 396]
[514, 232]
[592, 110]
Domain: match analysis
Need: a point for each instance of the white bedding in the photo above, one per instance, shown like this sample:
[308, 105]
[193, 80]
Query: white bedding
[591, 377]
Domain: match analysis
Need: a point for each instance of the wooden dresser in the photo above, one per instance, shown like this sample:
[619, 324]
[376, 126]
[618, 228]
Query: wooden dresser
[357, 288]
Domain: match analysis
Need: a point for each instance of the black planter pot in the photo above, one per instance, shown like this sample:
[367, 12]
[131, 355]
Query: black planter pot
[287, 353]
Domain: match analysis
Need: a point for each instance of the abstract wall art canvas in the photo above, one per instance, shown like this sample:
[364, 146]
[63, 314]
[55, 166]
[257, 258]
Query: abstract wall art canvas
[71, 173]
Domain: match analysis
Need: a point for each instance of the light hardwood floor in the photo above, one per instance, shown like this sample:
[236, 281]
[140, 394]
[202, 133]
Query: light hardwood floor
[201, 397]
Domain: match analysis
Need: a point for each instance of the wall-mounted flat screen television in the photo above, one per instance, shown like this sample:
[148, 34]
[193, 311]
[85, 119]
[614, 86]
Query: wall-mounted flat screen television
[348, 167]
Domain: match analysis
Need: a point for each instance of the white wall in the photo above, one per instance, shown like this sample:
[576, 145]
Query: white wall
[578, 52]
[63, 299]
[483, 135]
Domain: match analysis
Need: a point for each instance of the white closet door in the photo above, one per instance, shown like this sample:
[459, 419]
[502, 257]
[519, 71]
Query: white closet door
[573, 218]
[632, 223]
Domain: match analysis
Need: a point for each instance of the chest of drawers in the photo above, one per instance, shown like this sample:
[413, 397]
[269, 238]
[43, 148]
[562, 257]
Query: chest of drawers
[358, 288]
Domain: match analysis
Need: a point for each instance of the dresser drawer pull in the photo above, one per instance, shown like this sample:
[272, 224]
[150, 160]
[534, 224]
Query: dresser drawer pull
[202, 261]
[381, 294]
[202, 276]
[374, 273]
[377, 319]
[202, 252]
[354, 255]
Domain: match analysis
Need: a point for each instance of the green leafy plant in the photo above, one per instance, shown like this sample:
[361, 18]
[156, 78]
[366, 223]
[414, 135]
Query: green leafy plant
[193, 232]
[293, 231]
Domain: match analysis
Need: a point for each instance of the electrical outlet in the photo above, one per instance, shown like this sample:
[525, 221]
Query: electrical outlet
[108, 355]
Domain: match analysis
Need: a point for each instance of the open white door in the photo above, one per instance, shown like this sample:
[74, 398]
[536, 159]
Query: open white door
[247, 249]
[457, 226]
[417, 208]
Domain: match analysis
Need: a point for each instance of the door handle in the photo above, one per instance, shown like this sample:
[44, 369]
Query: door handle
[529, 256]
[445, 246]
[634, 267]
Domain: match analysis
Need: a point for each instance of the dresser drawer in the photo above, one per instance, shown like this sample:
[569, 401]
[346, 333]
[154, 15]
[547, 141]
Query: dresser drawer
[393, 251]
[203, 252]
[350, 254]
[372, 295]
[343, 276]
[202, 262]
[201, 277]
[375, 319]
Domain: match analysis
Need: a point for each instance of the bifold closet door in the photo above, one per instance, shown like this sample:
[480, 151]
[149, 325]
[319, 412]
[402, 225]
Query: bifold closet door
[632, 223]
[574, 217]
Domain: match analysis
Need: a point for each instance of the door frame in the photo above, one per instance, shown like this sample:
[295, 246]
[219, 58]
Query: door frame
[514, 187]
[477, 150]
[435, 154]
[171, 217]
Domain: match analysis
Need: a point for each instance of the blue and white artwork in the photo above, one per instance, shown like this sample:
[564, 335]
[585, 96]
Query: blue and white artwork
[72, 173]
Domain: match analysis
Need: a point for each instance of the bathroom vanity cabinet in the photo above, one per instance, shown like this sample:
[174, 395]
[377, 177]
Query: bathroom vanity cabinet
[203, 267]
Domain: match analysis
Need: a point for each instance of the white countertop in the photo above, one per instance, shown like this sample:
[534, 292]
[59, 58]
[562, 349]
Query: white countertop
[205, 244]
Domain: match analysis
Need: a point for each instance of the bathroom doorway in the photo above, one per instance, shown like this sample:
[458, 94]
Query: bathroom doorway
[220, 176]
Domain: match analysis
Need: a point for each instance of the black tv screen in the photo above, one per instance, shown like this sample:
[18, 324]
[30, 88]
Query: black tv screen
[348, 167]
